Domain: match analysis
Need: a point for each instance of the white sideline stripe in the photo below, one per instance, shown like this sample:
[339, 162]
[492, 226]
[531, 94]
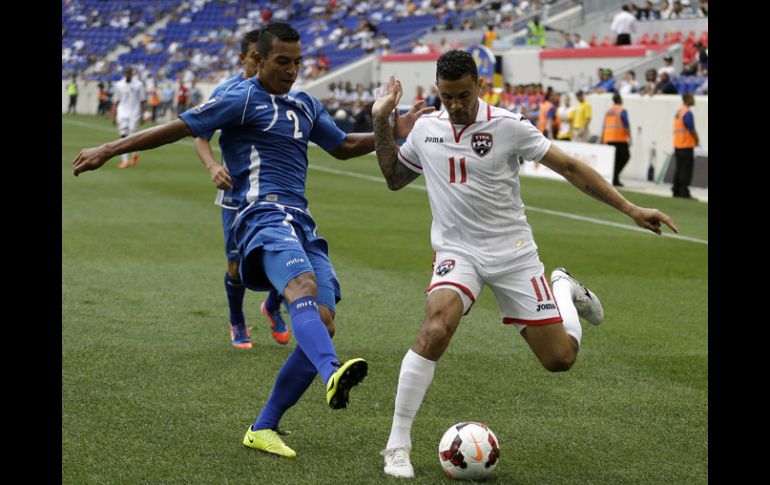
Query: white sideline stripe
[423, 188]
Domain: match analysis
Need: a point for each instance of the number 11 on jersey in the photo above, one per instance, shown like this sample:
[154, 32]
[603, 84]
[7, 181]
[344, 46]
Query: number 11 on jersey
[452, 171]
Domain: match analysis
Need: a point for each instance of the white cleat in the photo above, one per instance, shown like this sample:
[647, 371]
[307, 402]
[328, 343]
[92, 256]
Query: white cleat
[397, 462]
[587, 303]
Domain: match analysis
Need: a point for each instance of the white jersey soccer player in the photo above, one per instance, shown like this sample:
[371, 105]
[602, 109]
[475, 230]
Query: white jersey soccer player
[470, 154]
[477, 237]
[127, 109]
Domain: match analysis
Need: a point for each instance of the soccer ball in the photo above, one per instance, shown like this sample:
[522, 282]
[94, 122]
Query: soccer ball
[468, 451]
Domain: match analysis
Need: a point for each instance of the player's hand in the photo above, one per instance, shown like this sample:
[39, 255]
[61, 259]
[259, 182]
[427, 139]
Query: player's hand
[220, 177]
[89, 159]
[403, 124]
[651, 219]
[387, 97]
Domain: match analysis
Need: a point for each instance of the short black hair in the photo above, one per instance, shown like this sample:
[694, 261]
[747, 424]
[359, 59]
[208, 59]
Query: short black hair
[456, 64]
[251, 37]
[617, 99]
[275, 30]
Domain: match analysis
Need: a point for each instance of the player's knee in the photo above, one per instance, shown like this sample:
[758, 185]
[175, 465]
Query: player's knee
[559, 362]
[434, 332]
[301, 286]
[233, 272]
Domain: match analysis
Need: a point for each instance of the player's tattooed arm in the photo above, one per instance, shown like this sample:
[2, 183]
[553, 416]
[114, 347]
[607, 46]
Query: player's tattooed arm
[395, 173]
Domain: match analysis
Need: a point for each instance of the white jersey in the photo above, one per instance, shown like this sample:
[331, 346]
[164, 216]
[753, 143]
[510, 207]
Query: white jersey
[472, 176]
[129, 97]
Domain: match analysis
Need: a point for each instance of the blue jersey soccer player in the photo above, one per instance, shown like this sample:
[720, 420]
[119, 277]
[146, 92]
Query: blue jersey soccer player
[269, 127]
[229, 199]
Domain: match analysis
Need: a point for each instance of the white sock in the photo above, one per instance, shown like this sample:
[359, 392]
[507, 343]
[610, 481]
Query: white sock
[124, 157]
[562, 291]
[413, 381]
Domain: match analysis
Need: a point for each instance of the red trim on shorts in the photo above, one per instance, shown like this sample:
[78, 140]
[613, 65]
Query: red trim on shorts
[547, 321]
[465, 290]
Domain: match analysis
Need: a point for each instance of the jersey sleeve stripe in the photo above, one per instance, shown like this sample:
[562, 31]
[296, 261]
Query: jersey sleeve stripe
[246, 104]
[547, 321]
[409, 163]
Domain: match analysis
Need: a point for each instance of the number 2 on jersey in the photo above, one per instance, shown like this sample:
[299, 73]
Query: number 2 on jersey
[452, 171]
[293, 116]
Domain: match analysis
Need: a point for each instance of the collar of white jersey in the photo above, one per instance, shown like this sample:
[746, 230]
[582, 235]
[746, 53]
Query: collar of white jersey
[483, 114]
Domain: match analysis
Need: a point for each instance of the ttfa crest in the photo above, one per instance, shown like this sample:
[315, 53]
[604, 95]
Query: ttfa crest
[481, 143]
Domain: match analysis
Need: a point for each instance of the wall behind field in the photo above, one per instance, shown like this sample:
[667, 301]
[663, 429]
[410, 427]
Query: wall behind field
[651, 120]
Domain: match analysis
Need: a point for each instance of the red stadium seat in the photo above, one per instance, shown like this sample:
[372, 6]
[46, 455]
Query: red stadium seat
[655, 39]
[605, 42]
[645, 40]
[704, 39]
[592, 42]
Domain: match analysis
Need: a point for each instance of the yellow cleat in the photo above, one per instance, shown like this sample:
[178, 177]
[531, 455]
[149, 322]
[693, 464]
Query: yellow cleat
[267, 440]
[348, 375]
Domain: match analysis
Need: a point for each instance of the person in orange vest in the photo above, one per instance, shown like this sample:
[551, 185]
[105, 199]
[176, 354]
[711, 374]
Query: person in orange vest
[546, 117]
[490, 35]
[685, 141]
[617, 132]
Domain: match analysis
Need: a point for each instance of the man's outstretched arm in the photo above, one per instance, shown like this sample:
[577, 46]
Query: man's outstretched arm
[395, 173]
[93, 158]
[582, 176]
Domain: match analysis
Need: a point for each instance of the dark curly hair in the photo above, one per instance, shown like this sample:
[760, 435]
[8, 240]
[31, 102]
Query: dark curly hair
[455, 64]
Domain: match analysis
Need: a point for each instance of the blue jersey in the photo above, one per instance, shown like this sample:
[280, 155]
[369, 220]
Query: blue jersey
[219, 91]
[264, 139]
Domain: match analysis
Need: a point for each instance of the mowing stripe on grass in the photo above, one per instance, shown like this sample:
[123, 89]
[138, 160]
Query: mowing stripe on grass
[423, 188]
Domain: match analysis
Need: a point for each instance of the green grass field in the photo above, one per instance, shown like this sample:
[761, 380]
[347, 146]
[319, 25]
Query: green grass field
[153, 393]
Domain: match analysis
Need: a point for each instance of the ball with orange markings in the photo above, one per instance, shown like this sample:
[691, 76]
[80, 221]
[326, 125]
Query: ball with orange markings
[468, 451]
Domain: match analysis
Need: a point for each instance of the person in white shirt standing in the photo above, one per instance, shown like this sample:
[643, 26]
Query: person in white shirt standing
[623, 25]
[127, 109]
[470, 153]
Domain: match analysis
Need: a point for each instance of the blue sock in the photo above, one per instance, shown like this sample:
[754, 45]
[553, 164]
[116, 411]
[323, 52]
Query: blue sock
[235, 292]
[312, 336]
[273, 301]
[295, 377]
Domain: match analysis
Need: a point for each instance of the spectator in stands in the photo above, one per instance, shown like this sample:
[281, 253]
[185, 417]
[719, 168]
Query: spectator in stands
[420, 96]
[628, 84]
[382, 45]
[166, 98]
[72, 91]
[154, 103]
[582, 119]
[546, 117]
[651, 79]
[665, 85]
[489, 94]
[623, 25]
[681, 10]
[568, 44]
[433, 99]
[616, 132]
[419, 48]
[606, 82]
[331, 102]
[566, 115]
[685, 141]
[703, 88]
[101, 108]
[703, 9]
[664, 10]
[195, 94]
[668, 67]
[536, 32]
[182, 98]
[443, 46]
[363, 96]
[648, 12]
[579, 42]
[490, 35]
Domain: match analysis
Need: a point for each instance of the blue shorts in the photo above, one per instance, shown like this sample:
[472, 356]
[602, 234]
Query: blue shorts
[231, 249]
[278, 243]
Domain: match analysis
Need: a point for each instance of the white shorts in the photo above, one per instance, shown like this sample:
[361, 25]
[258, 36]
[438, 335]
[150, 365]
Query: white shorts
[523, 292]
[127, 125]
